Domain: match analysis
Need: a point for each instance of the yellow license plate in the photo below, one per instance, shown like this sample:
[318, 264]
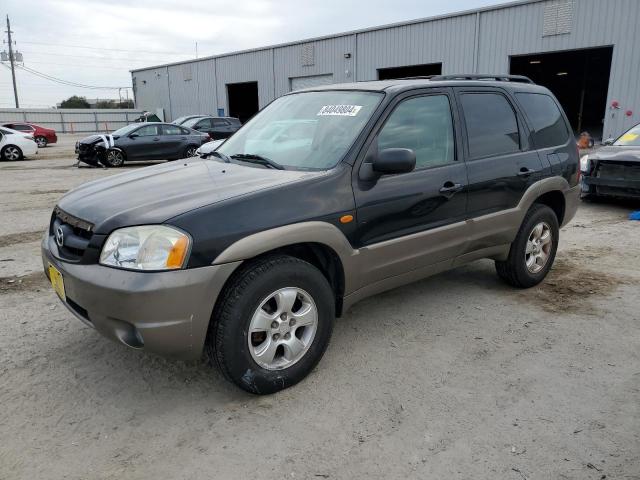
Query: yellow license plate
[57, 281]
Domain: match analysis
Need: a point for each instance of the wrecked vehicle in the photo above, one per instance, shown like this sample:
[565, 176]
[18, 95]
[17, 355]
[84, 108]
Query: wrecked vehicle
[613, 170]
[147, 141]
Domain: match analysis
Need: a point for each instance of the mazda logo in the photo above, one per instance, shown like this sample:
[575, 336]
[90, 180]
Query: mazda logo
[59, 236]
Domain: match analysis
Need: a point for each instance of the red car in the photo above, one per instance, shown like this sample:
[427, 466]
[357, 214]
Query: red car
[42, 136]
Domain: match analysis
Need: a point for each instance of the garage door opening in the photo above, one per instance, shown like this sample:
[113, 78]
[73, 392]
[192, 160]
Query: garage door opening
[243, 100]
[410, 71]
[578, 78]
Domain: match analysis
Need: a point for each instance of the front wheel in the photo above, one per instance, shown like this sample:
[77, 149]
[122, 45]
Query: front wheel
[11, 153]
[114, 158]
[533, 251]
[272, 324]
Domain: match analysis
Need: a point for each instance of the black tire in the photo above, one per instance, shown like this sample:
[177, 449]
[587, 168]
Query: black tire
[190, 151]
[227, 342]
[514, 270]
[11, 153]
[113, 158]
[41, 141]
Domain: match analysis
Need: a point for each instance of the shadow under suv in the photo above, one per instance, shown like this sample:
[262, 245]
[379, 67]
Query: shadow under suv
[250, 253]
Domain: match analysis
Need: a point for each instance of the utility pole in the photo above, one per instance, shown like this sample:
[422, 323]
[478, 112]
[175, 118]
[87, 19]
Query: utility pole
[12, 60]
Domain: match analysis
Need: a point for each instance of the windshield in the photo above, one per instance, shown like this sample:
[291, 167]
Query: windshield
[629, 139]
[308, 131]
[125, 130]
[179, 120]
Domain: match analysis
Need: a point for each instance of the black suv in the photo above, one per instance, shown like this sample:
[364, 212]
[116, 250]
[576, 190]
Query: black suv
[325, 197]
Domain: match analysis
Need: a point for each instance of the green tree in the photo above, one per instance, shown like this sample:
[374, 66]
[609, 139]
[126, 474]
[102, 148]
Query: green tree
[106, 104]
[75, 102]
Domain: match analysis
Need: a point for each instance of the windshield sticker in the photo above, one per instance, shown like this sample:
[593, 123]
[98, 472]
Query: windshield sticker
[629, 137]
[339, 110]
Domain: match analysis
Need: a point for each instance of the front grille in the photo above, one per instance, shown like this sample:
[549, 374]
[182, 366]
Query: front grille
[76, 234]
[619, 170]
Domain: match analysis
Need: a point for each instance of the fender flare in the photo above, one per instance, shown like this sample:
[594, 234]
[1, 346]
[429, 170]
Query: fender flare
[306, 232]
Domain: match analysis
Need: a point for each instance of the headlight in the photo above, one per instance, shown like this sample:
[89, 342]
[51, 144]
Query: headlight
[149, 247]
[585, 164]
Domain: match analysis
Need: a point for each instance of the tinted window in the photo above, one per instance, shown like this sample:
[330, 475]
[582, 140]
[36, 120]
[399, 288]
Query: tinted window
[22, 128]
[219, 123]
[172, 130]
[548, 124]
[149, 131]
[203, 124]
[425, 126]
[492, 128]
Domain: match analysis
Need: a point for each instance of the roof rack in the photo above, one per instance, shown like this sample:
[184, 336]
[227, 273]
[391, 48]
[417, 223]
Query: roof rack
[475, 76]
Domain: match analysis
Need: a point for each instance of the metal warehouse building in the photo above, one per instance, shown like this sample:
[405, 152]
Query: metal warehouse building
[586, 51]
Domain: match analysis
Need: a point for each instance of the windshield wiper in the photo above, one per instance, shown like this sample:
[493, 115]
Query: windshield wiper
[259, 159]
[221, 156]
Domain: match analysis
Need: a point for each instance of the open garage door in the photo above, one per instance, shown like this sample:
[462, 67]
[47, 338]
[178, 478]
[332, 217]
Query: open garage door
[410, 71]
[243, 100]
[298, 83]
[578, 78]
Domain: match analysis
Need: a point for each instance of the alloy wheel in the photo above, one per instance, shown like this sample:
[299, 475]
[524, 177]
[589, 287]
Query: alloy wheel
[282, 328]
[12, 153]
[41, 141]
[191, 152]
[115, 158]
[538, 247]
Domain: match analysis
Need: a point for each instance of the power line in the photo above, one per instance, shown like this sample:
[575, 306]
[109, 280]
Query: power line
[62, 81]
[103, 48]
[95, 57]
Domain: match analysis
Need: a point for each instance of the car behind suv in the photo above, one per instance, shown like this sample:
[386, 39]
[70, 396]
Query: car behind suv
[251, 253]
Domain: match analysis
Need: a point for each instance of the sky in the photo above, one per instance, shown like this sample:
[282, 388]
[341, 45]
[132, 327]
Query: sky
[97, 42]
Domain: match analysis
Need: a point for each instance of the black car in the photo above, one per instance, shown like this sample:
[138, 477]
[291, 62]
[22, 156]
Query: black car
[146, 141]
[613, 170]
[215, 127]
[325, 197]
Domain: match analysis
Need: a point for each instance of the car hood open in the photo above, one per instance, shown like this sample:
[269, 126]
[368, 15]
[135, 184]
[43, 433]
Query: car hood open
[156, 194]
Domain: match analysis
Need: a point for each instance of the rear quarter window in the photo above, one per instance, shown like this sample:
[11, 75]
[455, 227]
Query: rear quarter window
[549, 127]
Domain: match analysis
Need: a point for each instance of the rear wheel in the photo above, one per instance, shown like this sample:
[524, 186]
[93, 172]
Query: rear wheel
[190, 151]
[533, 251]
[114, 158]
[12, 153]
[41, 141]
[272, 324]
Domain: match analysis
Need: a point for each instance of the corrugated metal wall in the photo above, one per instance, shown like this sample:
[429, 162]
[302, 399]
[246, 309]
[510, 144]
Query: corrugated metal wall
[479, 42]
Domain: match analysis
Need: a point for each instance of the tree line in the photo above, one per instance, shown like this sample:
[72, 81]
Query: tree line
[81, 102]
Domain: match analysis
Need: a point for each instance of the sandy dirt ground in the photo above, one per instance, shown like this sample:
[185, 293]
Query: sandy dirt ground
[457, 376]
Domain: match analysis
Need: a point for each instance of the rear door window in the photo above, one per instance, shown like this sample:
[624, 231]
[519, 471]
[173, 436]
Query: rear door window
[492, 126]
[203, 124]
[172, 130]
[550, 129]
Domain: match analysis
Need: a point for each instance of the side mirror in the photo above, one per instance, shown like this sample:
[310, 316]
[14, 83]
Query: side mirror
[608, 141]
[394, 160]
[134, 135]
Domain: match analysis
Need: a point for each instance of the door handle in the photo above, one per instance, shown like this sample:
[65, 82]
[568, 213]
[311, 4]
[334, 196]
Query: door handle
[450, 188]
[156, 139]
[525, 172]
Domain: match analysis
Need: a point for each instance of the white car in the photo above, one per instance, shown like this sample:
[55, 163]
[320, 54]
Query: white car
[16, 145]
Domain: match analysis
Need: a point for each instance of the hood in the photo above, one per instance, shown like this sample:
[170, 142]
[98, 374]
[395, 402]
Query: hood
[92, 139]
[156, 194]
[620, 153]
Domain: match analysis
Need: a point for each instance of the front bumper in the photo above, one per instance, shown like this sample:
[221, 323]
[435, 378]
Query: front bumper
[612, 187]
[166, 313]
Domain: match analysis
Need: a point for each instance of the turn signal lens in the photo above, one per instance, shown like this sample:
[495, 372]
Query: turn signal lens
[178, 253]
[346, 219]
